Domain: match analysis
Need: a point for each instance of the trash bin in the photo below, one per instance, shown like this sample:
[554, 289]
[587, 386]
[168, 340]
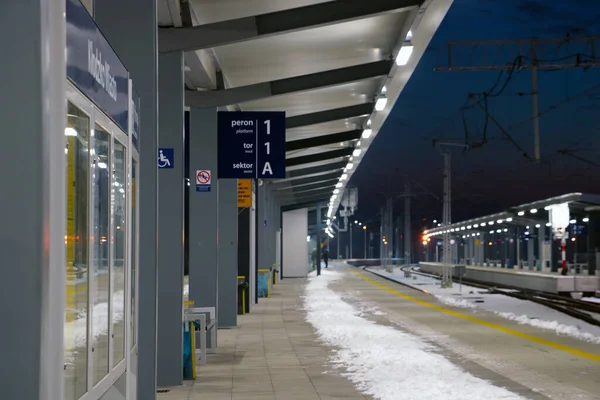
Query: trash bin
[275, 275]
[264, 282]
[189, 350]
[242, 286]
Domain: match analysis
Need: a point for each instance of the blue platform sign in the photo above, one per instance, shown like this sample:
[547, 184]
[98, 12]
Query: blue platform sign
[166, 158]
[251, 144]
[93, 66]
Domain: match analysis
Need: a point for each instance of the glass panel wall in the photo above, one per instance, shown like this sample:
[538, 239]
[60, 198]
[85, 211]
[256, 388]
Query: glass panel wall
[77, 243]
[119, 237]
[100, 281]
[99, 267]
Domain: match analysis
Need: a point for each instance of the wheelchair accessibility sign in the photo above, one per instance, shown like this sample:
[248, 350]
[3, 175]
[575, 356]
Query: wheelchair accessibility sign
[203, 180]
[166, 158]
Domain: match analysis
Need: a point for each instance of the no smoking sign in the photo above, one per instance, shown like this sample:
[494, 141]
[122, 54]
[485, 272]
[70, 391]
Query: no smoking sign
[203, 180]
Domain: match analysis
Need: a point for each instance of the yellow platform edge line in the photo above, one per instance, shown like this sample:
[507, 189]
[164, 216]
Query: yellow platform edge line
[535, 339]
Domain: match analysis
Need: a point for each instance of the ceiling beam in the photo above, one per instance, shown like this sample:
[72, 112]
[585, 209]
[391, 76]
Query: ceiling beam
[275, 23]
[285, 185]
[311, 158]
[316, 198]
[307, 204]
[329, 115]
[241, 94]
[323, 140]
[330, 184]
[319, 169]
[308, 193]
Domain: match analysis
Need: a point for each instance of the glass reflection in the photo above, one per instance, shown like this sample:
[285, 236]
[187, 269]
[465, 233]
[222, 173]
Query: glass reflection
[100, 282]
[118, 203]
[77, 245]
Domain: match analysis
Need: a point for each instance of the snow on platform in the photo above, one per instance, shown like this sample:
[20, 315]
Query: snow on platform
[522, 311]
[383, 362]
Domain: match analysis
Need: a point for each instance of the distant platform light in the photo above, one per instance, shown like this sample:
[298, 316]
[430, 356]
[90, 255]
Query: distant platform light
[521, 213]
[367, 133]
[533, 210]
[586, 219]
[356, 152]
[573, 221]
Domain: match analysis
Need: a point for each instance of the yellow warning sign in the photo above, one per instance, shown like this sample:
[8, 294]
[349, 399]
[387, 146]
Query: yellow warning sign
[477, 242]
[244, 193]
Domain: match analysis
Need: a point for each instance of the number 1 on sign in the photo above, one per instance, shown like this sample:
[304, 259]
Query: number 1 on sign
[268, 124]
[268, 146]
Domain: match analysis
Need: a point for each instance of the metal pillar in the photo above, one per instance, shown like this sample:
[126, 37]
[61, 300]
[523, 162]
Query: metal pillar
[131, 27]
[33, 182]
[447, 275]
[541, 239]
[339, 251]
[536, 107]
[227, 253]
[407, 224]
[530, 253]
[204, 211]
[318, 236]
[365, 243]
[351, 228]
[170, 220]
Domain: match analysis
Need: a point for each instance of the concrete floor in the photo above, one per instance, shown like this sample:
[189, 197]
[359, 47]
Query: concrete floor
[273, 354]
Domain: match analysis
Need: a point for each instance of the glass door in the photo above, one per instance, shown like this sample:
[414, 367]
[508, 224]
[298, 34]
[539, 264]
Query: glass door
[97, 242]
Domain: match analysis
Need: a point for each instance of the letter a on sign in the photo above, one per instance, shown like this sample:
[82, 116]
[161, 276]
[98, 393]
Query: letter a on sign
[267, 168]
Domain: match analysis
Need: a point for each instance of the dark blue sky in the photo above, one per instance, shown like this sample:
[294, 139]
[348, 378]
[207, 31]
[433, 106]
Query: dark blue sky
[495, 176]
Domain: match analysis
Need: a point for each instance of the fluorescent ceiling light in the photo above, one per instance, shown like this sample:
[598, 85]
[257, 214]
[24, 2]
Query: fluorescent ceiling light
[339, 185]
[384, 89]
[367, 133]
[70, 132]
[380, 104]
[344, 177]
[521, 213]
[102, 165]
[409, 35]
[369, 122]
[404, 55]
[356, 152]
[349, 166]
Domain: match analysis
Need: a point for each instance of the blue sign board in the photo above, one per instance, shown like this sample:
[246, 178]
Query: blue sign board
[166, 158]
[251, 144]
[93, 66]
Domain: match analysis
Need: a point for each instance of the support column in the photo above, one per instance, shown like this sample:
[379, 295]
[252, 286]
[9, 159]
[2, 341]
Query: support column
[541, 239]
[32, 206]
[227, 253]
[131, 28]
[203, 278]
[170, 220]
[530, 252]
[318, 235]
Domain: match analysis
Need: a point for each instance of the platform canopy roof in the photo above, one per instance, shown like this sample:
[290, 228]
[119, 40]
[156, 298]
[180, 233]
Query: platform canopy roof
[534, 215]
[335, 67]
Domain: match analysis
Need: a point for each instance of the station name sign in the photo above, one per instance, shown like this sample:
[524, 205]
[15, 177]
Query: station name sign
[94, 67]
[251, 144]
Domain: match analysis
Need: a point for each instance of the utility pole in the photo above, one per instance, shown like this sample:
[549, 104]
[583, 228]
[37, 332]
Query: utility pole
[447, 211]
[407, 224]
[549, 54]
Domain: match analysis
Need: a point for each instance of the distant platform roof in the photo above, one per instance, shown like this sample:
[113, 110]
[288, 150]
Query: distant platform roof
[523, 215]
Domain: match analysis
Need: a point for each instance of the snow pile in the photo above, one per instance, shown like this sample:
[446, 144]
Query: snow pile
[383, 362]
[452, 301]
[592, 299]
[561, 329]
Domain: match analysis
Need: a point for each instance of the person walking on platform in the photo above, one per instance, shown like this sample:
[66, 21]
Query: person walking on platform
[326, 257]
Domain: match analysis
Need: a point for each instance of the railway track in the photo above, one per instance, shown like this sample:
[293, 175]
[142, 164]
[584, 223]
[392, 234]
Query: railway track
[579, 309]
